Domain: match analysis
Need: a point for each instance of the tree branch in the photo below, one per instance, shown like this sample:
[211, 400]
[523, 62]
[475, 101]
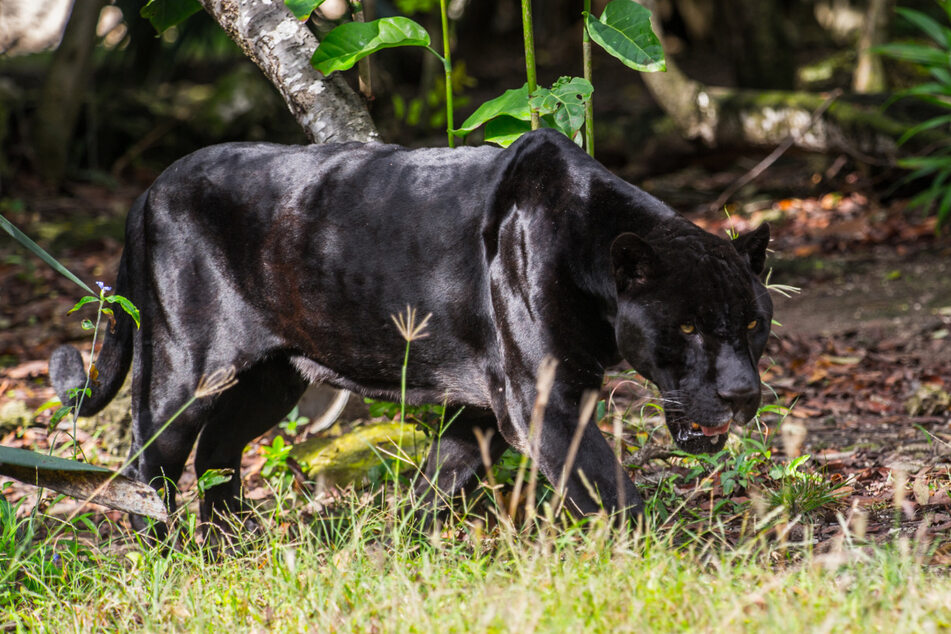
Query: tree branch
[281, 46]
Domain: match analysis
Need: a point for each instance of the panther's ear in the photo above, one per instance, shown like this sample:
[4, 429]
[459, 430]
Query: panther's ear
[634, 262]
[753, 246]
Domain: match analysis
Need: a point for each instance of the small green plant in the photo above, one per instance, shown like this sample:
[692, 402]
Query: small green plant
[275, 460]
[807, 495]
[212, 478]
[936, 60]
[293, 421]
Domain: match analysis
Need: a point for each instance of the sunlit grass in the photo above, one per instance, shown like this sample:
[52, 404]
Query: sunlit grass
[361, 567]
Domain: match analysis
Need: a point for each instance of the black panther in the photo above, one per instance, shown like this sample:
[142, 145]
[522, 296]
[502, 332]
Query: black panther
[288, 262]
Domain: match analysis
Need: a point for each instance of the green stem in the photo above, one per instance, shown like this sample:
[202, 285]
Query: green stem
[398, 467]
[447, 67]
[589, 106]
[92, 362]
[403, 386]
[529, 37]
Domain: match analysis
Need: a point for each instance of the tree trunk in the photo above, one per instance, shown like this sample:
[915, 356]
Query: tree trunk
[281, 46]
[759, 46]
[869, 76]
[325, 107]
[63, 90]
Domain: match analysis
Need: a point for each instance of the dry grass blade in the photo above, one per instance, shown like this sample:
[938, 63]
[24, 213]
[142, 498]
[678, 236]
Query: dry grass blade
[543, 382]
[588, 402]
[618, 467]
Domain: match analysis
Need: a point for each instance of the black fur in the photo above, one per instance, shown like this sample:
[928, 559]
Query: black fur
[287, 262]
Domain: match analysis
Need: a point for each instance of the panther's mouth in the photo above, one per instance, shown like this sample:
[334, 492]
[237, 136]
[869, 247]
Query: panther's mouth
[711, 431]
[694, 437]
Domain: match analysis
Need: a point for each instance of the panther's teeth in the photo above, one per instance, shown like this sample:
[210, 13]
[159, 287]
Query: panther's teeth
[714, 438]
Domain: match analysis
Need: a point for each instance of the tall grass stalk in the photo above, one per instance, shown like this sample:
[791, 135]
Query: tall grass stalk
[410, 331]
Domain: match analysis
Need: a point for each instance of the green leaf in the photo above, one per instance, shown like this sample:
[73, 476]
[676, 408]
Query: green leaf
[88, 299]
[926, 125]
[511, 103]
[917, 53]
[565, 102]
[927, 90]
[74, 392]
[86, 324]
[164, 14]
[350, 42]
[944, 208]
[59, 414]
[127, 306]
[302, 8]
[212, 478]
[936, 162]
[505, 130]
[624, 31]
[37, 250]
[943, 75]
[931, 28]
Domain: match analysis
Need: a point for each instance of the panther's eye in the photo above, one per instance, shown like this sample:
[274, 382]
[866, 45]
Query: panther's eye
[752, 325]
[687, 328]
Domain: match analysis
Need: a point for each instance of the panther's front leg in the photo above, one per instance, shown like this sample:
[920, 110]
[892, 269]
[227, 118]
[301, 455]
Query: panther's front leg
[592, 479]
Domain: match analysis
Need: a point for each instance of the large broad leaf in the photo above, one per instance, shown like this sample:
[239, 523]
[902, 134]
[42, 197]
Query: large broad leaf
[511, 103]
[624, 31]
[82, 481]
[565, 102]
[350, 42]
[505, 130]
[508, 116]
[302, 8]
[164, 14]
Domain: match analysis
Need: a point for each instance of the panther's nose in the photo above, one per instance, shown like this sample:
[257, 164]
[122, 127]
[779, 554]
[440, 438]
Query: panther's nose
[737, 381]
[740, 396]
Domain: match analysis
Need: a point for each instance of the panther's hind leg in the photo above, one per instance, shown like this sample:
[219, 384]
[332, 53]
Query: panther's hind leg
[155, 400]
[264, 394]
[455, 461]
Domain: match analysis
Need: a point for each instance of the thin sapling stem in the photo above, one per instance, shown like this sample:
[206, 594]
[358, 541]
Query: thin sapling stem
[529, 38]
[589, 105]
[447, 67]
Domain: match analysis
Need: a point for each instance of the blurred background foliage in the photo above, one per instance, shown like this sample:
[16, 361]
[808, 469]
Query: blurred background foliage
[143, 100]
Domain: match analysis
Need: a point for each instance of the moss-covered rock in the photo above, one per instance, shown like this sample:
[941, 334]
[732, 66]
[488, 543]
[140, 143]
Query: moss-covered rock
[352, 457]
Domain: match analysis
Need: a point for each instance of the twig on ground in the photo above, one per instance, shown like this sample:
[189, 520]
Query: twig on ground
[787, 143]
[645, 454]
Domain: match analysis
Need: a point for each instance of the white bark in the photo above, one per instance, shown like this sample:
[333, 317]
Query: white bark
[281, 46]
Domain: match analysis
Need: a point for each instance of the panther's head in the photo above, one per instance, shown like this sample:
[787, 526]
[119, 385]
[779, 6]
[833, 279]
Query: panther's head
[693, 317]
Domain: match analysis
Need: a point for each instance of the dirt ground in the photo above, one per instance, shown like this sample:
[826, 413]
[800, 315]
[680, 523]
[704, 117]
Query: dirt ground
[863, 353]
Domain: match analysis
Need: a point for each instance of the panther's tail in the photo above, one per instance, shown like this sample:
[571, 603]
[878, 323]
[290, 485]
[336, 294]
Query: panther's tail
[67, 371]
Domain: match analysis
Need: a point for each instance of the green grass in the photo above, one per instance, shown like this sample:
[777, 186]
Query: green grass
[365, 571]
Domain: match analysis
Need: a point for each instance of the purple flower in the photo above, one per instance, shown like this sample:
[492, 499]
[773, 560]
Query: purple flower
[103, 287]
